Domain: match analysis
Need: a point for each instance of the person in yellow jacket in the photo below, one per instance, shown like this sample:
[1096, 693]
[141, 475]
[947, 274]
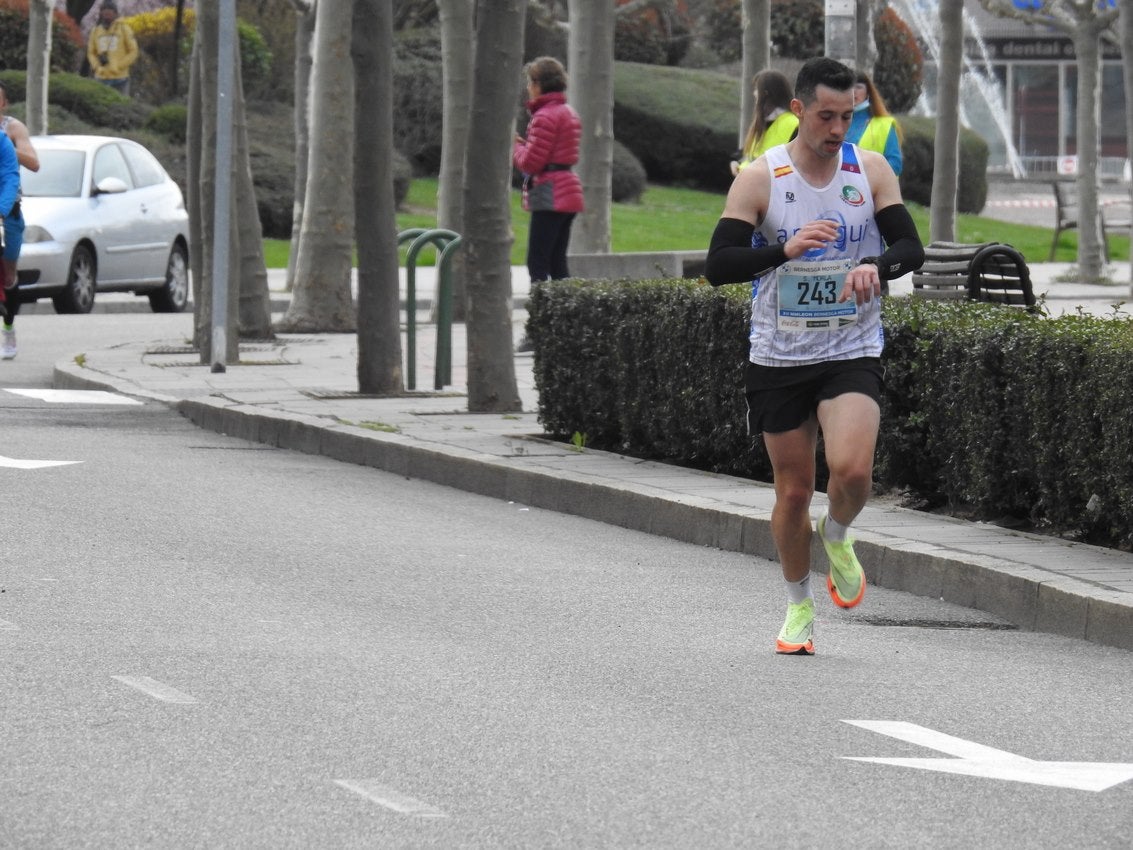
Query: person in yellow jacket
[773, 122]
[872, 127]
[112, 48]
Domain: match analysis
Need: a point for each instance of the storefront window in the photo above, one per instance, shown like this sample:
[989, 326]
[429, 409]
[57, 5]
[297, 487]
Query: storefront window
[1035, 96]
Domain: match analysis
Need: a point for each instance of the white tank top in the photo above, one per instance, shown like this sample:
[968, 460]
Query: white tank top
[795, 317]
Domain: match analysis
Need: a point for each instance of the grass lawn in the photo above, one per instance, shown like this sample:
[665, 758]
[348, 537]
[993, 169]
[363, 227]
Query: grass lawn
[671, 219]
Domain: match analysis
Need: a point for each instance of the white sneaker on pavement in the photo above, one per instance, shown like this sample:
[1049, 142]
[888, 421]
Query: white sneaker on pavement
[8, 344]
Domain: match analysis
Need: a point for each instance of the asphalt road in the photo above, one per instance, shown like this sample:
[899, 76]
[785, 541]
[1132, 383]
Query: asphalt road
[210, 643]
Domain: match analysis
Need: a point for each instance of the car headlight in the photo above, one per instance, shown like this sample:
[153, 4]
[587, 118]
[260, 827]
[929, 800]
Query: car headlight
[35, 233]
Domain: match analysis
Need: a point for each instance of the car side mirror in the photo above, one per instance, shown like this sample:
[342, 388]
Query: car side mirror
[110, 186]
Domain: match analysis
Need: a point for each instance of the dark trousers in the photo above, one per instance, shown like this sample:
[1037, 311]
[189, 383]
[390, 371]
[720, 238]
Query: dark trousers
[547, 245]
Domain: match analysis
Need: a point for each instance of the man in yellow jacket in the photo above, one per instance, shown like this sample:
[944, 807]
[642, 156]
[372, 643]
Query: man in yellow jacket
[112, 48]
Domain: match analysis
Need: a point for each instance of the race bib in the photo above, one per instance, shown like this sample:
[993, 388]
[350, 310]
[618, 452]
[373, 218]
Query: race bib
[808, 295]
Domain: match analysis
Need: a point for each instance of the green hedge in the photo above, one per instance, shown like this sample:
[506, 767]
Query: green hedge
[991, 411]
[919, 151]
[680, 123]
[94, 102]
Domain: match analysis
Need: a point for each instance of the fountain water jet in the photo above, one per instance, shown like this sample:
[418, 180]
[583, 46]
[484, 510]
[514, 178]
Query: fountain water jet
[923, 17]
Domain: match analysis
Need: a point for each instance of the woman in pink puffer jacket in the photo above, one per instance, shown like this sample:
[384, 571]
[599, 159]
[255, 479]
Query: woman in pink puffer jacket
[552, 192]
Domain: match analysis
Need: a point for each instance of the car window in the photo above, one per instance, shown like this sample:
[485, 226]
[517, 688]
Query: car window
[147, 170]
[109, 162]
[60, 175]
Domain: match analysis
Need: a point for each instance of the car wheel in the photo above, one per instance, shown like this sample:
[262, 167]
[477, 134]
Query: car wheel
[78, 295]
[174, 295]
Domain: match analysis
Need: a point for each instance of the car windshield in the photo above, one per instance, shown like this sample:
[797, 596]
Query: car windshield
[60, 175]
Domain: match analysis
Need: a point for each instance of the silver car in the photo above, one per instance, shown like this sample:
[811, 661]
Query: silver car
[102, 215]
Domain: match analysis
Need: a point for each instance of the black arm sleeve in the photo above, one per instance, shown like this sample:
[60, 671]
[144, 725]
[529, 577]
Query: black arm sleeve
[905, 252]
[731, 259]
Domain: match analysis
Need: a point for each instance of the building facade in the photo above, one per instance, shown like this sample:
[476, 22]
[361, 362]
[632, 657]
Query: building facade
[1020, 93]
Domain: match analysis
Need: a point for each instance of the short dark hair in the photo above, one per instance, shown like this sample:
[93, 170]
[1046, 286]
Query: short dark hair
[548, 72]
[822, 71]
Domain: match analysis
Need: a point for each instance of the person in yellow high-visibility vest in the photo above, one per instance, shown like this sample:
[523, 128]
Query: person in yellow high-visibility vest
[873, 128]
[773, 122]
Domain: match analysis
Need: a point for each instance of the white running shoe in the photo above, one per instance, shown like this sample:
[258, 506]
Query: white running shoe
[8, 344]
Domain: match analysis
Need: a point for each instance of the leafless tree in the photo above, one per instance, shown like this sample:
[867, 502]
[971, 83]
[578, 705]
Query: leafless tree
[39, 64]
[322, 301]
[1126, 39]
[865, 51]
[304, 37]
[1083, 21]
[497, 65]
[456, 81]
[591, 65]
[379, 331]
[756, 17]
[945, 168]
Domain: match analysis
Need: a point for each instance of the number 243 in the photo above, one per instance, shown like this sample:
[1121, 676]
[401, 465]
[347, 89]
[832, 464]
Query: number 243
[818, 292]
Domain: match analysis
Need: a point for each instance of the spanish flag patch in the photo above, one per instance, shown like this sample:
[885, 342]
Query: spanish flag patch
[783, 170]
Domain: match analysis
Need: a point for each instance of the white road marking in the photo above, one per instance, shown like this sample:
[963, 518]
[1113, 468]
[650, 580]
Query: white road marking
[156, 689]
[974, 759]
[76, 396]
[390, 798]
[5, 626]
[16, 463]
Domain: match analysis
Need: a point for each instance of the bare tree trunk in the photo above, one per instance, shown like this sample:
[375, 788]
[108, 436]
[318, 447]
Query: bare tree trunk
[254, 308]
[756, 56]
[304, 38]
[456, 70]
[591, 65]
[866, 49]
[1091, 263]
[1127, 70]
[194, 152]
[946, 158]
[322, 300]
[379, 329]
[487, 212]
[39, 64]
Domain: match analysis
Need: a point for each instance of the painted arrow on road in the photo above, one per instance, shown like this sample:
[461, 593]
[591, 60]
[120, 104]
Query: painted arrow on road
[15, 463]
[973, 759]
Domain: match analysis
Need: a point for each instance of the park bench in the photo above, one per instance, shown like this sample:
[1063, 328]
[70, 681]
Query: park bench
[988, 271]
[1066, 217]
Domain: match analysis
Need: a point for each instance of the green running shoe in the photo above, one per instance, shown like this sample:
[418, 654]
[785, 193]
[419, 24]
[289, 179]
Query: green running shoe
[846, 579]
[796, 636]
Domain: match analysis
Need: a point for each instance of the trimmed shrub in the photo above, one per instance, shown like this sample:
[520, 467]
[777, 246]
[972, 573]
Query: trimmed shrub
[919, 150]
[418, 99]
[898, 72]
[90, 100]
[798, 28]
[679, 122]
[989, 410]
[151, 77]
[67, 44]
[637, 39]
[627, 181]
[170, 121]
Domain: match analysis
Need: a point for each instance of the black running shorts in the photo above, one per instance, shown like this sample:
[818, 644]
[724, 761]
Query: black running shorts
[781, 398]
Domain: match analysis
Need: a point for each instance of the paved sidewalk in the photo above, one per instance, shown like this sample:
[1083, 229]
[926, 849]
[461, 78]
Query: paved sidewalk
[300, 392]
